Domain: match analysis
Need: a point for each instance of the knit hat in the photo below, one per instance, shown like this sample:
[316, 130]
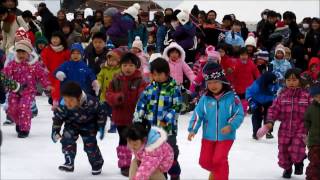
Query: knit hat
[133, 11]
[251, 40]
[24, 45]
[281, 48]
[115, 53]
[264, 55]
[315, 89]
[88, 12]
[21, 34]
[154, 56]
[137, 43]
[110, 11]
[40, 39]
[213, 54]
[213, 71]
[280, 25]
[183, 17]
[77, 47]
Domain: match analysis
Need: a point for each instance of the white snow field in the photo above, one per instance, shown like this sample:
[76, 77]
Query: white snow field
[37, 157]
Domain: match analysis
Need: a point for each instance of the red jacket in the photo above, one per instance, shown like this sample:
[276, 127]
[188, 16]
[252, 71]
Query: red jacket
[228, 66]
[314, 75]
[244, 75]
[122, 95]
[52, 60]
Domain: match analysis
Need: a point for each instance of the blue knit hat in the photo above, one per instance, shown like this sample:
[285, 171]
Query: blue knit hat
[78, 47]
[315, 89]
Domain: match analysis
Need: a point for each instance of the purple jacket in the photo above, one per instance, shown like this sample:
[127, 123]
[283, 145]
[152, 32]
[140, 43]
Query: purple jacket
[184, 35]
[121, 24]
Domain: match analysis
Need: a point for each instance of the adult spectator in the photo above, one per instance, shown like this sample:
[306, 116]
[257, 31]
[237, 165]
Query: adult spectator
[48, 20]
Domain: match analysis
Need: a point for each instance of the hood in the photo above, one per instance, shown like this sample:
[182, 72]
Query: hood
[33, 56]
[156, 138]
[313, 61]
[174, 45]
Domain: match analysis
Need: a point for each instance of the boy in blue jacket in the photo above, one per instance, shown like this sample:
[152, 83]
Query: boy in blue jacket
[77, 70]
[220, 113]
[82, 115]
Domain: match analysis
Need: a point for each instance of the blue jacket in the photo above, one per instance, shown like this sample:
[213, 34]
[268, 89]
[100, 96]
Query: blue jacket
[280, 67]
[161, 35]
[214, 115]
[255, 92]
[236, 41]
[79, 72]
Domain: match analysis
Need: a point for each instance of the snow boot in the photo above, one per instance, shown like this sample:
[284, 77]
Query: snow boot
[298, 168]
[125, 172]
[269, 135]
[23, 134]
[34, 113]
[68, 166]
[254, 136]
[17, 129]
[287, 173]
[8, 122]
[96, 170]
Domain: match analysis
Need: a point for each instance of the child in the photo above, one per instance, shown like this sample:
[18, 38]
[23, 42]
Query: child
[288, 57]
[153, 155]
[226, 62]
[137, 49]
[108, 71]
[81, 115]
[53, 56]
[221, 113]
[314, 68]
[260, 96]
[245, 73]
[312, 124]
[175, 55]
[251, 44]
[25, 71]
[279, 65]
[262, 61]
[160, 103]
[122, 95]
[76, 70]
[210, 54]
[289, 108]
[41, 42]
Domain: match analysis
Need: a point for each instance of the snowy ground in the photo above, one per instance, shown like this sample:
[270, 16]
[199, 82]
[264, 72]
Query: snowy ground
[37, 157]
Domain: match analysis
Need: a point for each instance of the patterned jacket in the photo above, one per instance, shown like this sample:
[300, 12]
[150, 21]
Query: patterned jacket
[9, 83]
[90, 114]
[160, 104]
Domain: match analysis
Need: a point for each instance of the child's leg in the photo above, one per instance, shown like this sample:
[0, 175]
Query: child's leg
[297, 149]
[13, 110]
[123, 152]
[284, 158]
[92, 149]
[256, 119]
[175, 169]
[69, 145]
[207, 150]
[313, 169]
[220, 159]
[25, 113]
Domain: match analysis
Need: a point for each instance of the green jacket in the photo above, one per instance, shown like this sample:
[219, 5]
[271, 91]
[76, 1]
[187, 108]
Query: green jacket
[312, 123]
[104, 78]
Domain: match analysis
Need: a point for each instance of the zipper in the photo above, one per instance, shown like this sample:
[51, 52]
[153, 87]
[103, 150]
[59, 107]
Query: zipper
[217, 123]
[291, 112]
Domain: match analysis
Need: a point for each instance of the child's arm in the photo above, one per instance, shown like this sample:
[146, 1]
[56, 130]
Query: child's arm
[59, 116]
[61, 71]
[42, 76]
[307, 120]
[196, 83]
[197, 117]
[188, 72]
[140, 112]
[256, 72]
[274, 111]
[114, 97]
[176, 106]
[148, 165]
[237, 114]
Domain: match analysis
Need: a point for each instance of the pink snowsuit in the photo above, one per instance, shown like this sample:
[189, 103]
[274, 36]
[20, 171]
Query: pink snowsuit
[289, 108]
[26, 73]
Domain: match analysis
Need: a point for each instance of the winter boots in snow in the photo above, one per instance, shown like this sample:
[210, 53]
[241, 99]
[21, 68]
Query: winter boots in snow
[298, 168]
[269, 135]
[23, 134]
[96, 170]
[68, 166]
[8, 122]
[287, 173]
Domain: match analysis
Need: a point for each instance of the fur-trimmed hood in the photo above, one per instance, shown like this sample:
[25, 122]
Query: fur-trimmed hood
[157, 136]
[174, 45]
[33, 57]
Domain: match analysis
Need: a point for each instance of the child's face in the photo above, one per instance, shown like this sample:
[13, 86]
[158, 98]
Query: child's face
[215, 86]
[75, 55]
[128, 69]
[236, 28]
[41, 46]
[66, 29]
[71, 102]
[55, 41]
[136, 145]
[250, 49]
[159, 77]
[292, 82]
[98, 44]
[222, 52]
[301, 41]
[174, 55]
[112, 61]
[279, 55]
[22, 55]
[314, 67]
[150, 39]
[135, 50]
[317, 98]
[288, 55]
[244, 57]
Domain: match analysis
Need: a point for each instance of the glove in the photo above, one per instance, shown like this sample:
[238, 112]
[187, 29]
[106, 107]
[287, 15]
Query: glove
[55, 135]
[60, 75]
[96, 87]
[101, 132]
[262, 131]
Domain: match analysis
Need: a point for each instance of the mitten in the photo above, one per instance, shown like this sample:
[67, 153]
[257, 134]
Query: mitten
[60, 76]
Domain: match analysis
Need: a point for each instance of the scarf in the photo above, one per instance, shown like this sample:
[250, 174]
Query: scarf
[57, 48]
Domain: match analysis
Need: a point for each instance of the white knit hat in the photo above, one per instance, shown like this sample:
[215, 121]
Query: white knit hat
[88, 12]
[133, 11]
[251, 41]
[183, 17]
[137, 43]
[24, 45]
[154, 56]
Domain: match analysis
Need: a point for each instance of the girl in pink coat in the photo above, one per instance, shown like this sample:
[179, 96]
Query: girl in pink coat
[153, 155]
[27, 72]
[175, 55]
[289, 108]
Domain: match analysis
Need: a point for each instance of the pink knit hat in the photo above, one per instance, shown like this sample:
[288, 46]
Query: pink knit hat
[212, 53]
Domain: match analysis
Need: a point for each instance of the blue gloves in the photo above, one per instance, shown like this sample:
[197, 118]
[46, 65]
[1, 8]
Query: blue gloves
[101, 132]
[55, 135]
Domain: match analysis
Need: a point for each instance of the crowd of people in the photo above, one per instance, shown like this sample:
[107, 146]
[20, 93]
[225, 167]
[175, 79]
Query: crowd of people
[142, 75]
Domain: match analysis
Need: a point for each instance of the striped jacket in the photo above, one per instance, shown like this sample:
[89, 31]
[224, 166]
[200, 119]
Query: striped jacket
[160, 104]
[214, 115]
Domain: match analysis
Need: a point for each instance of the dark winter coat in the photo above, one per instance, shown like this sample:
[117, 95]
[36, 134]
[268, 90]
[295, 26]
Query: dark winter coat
[141, 31]
[49, 23]
[211, 34]
[313, 41]
[73, 37]
[94, 60]
[312, 123]
[184, 35]
[267, 30]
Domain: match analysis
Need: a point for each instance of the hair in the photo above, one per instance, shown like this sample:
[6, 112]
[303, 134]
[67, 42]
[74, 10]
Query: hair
[160, 65]
[71, 89]
[173, 49]
[272, 14]
[138, 131]
[27, 14]
[226, 47]
[289, 15]
[151, 48]
[294, 71]
[68, 24]
[62, 38]
[243, 50]
[211, 11]
[300, 36]
[279, 16]
[130, 58]
[3, 10]
[99, 35]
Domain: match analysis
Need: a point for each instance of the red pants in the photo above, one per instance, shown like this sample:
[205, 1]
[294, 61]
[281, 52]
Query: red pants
[214, 157]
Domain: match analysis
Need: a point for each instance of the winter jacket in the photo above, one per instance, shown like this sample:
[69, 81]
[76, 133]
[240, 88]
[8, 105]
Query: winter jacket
[49, 23]
[79, 72]
[298, 53]
[122, 95]
[289, 108]
[184, 35]
[215, 114]
[94, 60]
[160, 104]
[280, 36]
[104, 78]
[73, 37]
[312, 123]
[244, 75]
[280, 67]
[91, 112]
[141, 31]
[144, 68]
[237, 40]
[211, 34]
[313, 75]
[266, 31]
[28, 73]
[180, 67]
[228, 63]
[312, 41]
[156, 154]
[256, 93]
[161, 34]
